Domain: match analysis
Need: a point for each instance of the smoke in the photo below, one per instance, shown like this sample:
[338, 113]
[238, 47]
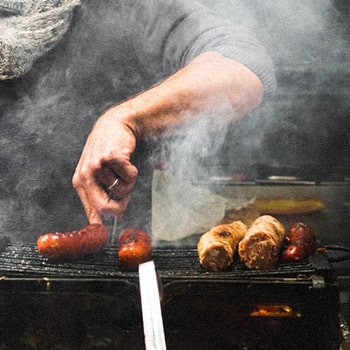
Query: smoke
[195, 149]
[46, 115]
[294, 32]
[308, 120]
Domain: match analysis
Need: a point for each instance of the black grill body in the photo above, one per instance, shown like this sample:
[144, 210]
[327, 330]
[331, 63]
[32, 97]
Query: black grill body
[93, 303]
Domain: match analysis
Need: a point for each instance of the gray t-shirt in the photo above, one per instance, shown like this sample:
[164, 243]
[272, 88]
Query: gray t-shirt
[167, 35]
[155, 38]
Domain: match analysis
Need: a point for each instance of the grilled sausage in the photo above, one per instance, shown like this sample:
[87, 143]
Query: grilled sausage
[302, 243]
[73, 244]
[261, 245]
[135, 247]
[217, 246]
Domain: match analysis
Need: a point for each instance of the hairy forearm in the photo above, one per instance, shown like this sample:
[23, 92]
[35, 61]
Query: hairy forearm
[209, 84]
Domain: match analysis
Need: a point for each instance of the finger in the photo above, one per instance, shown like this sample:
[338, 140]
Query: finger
[97, 202]
[113, 182]
[125, 170]
[118, 208]
[91, 211]
[109, 206]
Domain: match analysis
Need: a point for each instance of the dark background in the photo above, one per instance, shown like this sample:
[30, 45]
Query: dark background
[43, 123]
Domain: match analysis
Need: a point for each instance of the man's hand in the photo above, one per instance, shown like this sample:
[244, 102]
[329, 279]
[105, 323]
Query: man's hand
[105, 158]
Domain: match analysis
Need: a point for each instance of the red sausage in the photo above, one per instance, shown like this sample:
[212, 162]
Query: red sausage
[303, 243]
[73, 244]
[135, 247]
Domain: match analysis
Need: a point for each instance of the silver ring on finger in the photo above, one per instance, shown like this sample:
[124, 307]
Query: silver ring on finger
[114, 184]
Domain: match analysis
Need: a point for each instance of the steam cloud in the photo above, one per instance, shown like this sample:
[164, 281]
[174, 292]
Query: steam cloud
[46, 116]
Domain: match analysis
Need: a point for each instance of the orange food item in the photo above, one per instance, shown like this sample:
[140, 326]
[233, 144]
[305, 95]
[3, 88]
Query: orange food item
[288, 206]
[216, 247]
[73, 244]
[135, 248]
[261, 245]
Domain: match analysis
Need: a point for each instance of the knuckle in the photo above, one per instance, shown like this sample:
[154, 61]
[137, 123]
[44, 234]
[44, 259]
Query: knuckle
[83, 175]
[75, 180]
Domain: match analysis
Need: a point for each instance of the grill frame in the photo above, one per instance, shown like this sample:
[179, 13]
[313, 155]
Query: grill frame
[189, 293]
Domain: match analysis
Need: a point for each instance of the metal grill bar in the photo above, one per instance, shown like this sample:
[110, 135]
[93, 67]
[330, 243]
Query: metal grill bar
[22, 259]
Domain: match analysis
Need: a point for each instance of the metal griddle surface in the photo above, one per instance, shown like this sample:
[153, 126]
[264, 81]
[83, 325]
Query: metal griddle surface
[23, 260]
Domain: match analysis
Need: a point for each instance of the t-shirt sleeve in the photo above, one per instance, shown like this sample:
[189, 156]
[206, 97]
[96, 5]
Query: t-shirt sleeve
[174, 33]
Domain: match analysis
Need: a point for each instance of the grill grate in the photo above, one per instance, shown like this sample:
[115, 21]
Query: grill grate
[22, 259]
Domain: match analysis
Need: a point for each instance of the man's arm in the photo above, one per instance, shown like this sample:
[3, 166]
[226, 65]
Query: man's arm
[208, 84]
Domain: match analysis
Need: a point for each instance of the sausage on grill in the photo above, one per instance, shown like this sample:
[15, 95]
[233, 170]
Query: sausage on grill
[302, 243]
[73, 244]
[135, 247]
[216, 248]
[261, 245]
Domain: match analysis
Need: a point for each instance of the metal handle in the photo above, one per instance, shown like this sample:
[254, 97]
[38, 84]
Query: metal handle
[151, 309]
